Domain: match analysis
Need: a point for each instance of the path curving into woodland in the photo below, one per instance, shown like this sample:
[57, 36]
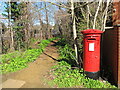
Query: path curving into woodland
[34, 75]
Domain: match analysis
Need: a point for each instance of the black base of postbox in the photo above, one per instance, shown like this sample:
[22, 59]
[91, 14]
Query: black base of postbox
[92, 75]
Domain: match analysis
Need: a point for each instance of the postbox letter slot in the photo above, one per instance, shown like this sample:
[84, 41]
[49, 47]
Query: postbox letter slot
[92, 39]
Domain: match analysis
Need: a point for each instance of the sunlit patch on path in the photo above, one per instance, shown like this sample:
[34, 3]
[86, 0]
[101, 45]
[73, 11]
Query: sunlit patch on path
[12, 83]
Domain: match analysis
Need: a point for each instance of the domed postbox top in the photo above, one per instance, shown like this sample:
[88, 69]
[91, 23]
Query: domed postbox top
[91, 31]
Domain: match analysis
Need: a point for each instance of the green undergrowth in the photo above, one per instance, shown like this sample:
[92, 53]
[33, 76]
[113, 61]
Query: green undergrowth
[17, 60]
[67, 75]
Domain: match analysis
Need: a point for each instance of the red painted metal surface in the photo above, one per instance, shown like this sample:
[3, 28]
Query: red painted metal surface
[91, 56]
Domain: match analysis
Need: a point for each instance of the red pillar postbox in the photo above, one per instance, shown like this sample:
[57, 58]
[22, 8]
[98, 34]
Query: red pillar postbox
[91, 52]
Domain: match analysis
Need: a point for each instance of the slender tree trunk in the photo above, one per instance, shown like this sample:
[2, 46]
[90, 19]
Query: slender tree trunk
[10, 29]
[47, 29]
[74, 30]
[12, 39]
[96, 14]
[106, 10]
[0, 39]
[41, 24]
[60, 30]
[26, 24]
[88, 16]
[59, 24]
[29, 21]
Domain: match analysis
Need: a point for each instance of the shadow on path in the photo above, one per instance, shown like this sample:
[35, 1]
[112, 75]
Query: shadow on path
[50, 56]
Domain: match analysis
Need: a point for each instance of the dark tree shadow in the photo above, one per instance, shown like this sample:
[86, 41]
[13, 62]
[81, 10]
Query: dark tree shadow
[62, 43]
[50, 56]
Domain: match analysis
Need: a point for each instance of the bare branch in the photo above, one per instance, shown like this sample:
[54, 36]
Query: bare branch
[43, 8]
[108, 1]
[84, 4]
[96, 14]
[57, 4]
[88, 16]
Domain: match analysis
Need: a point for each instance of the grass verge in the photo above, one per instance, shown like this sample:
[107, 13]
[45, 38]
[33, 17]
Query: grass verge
[17, 60]
[66, 75]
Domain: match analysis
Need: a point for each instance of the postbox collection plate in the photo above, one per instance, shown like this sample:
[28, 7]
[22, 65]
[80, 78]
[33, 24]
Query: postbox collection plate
[91, 46]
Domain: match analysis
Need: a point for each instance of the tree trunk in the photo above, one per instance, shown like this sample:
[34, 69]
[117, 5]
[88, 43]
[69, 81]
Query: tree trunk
[10, 29]
[47, 22]
[0, 39]
[26, 24]
[41, 24]
[96, 14]
[74, 30]
[106, 10]
[88, 17]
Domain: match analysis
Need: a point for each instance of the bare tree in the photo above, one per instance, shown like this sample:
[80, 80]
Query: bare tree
[106, 11]
[59, 24]
[26, 22]
[74, 29]
[10, 28]
[1, 39]
[47, 22]
[96, 14]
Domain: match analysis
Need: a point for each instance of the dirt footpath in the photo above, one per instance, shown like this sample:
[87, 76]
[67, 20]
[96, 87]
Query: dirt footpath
[34, 74]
